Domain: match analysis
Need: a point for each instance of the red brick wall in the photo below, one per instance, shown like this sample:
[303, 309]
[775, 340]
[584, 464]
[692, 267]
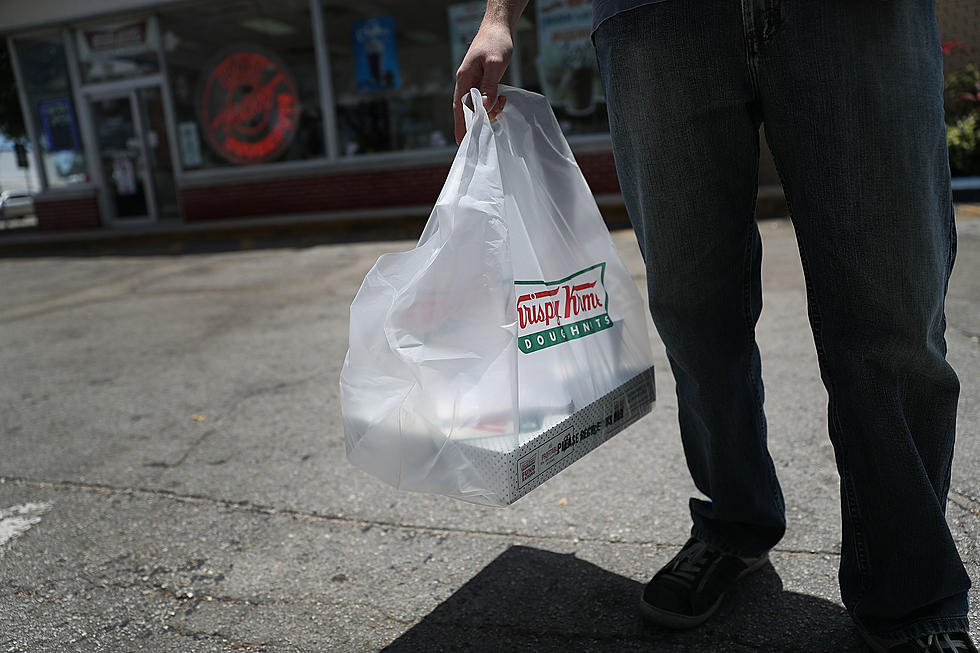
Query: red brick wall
[67, 214]
[348, 191]
[340, 192]
[600, 171]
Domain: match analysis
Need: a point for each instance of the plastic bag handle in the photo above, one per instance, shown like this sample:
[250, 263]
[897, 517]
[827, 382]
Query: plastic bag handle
[468, 114]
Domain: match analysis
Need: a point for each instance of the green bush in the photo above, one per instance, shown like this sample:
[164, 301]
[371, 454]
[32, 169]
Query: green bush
[961, 138]
[962, 107]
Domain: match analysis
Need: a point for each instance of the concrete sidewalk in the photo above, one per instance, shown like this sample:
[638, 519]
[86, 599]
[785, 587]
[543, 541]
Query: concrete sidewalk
[172, 478]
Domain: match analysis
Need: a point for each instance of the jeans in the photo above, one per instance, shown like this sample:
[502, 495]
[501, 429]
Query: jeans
[850, 93]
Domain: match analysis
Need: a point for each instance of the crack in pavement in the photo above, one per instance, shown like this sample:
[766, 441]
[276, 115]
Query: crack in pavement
[116, 287]
[200, 440]
[246, 506]
[267, 388]
[182, 597]
[194, 599]
[218, 637]
[107, 291]
[230, 411]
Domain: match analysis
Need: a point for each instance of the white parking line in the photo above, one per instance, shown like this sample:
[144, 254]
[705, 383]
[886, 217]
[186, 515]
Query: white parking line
[16, 520]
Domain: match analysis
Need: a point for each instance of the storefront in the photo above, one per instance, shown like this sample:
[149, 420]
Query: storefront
[142, 112]
[148, 111]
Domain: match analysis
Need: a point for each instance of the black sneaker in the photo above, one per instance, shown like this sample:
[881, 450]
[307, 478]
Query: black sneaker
[691, 587]
[939, 643]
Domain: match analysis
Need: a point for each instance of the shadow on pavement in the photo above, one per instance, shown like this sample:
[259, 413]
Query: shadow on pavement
[533, 600]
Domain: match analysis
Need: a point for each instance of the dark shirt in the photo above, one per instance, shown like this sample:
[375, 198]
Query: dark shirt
[603, 9]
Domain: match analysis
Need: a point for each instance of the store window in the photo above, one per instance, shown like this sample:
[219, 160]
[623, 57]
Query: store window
[393, 71]
[244, 82]
[118, 50]
[44, 72]
[394, 65]
[557, 59]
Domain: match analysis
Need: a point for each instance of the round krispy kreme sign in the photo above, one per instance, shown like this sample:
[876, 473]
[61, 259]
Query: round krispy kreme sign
[249, 107]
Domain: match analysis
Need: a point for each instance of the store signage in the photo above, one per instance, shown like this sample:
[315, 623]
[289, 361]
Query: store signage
[249, 107]
[59, 125]
[566, 60]
[376, 54]
[124, 175]
[117, 40]
[464, 23]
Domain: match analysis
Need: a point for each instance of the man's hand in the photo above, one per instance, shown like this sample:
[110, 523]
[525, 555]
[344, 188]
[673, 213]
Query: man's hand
[486, 60]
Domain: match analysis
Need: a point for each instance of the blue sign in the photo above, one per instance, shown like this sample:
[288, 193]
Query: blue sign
[376, 54]
[60, 127]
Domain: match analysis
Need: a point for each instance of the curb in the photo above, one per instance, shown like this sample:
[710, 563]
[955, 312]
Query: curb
[307, 230]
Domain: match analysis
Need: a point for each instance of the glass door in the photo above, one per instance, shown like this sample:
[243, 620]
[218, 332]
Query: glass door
[161, 169]
[122, 152]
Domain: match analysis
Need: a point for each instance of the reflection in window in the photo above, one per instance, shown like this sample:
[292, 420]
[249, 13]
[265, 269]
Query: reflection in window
[394, 64]
[244, 82]
[393, 74]
[44, 71]
[117, 50]
[558, 60]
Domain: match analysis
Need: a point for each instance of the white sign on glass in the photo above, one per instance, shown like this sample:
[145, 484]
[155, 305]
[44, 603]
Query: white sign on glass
[190, 145]
[464, 23]
[566, 59]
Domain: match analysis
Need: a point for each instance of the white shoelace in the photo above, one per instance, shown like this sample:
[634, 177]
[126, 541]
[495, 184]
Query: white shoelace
[941, 643]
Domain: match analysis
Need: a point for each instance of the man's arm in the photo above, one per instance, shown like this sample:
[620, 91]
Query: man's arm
[487, 59]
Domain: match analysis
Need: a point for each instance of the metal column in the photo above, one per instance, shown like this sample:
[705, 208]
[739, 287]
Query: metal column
[25, 107]
[325, 79]
[90, 144]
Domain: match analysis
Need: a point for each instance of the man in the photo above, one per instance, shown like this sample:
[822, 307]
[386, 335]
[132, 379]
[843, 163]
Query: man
[850, 92]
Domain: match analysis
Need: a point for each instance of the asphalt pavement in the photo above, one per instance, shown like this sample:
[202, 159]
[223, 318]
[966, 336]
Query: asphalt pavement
[173, 477]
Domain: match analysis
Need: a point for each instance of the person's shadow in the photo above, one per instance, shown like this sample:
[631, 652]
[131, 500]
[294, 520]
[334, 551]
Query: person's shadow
[533, 600]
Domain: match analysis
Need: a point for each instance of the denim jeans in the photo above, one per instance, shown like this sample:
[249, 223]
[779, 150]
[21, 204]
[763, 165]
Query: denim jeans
[850, 93]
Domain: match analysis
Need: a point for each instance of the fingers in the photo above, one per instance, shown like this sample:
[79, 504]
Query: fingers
[461, 95]
[458, 116]
[495, 110]
[459, 98]
[482, 67]
[488, 89]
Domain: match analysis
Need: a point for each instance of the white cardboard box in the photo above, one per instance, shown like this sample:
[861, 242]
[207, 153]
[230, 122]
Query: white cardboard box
[512, 474]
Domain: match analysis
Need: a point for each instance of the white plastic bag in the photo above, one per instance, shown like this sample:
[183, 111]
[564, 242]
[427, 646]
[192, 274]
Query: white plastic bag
[469, 353]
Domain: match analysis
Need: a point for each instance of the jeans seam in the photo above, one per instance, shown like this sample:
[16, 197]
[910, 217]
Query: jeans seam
[853, 508]
[864, 567]
[950, 246]
[746, 277]
[950, 260]
[750, 341]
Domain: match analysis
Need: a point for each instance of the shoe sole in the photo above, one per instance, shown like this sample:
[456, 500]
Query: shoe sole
[879, 647]
[676, 621]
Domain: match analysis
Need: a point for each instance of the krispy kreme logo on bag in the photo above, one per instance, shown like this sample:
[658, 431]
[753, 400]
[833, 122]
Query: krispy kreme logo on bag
[552, 312]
